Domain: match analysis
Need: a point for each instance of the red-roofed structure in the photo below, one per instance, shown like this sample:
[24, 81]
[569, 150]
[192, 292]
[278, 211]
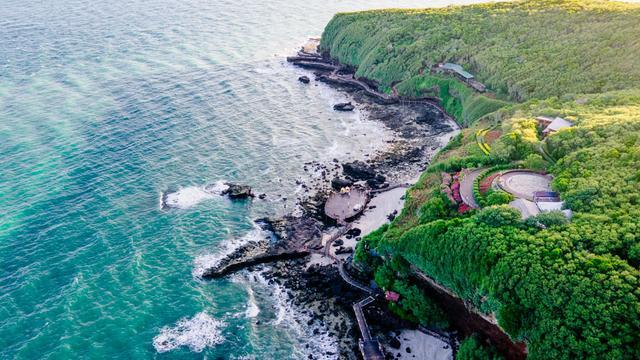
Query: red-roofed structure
[391, 296]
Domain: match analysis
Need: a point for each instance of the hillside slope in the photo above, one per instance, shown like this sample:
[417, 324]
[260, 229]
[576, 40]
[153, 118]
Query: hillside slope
[568, 289]
[524, 50]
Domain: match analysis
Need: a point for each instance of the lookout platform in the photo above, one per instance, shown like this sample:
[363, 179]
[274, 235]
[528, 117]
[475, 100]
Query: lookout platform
[344, 205]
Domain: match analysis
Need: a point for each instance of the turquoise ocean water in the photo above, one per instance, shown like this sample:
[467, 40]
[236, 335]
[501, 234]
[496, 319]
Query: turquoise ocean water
[105, 105]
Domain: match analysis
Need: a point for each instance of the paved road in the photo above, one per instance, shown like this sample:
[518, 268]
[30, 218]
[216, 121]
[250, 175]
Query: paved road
[466, 187]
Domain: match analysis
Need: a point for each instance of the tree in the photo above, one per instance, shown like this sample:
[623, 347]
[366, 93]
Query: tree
[535, 162]
[499, 198]
[499, 216]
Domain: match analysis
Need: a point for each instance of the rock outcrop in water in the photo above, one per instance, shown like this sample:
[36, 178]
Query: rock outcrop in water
[348, 106]
[304, 79]
[293, 237]
[236, 191]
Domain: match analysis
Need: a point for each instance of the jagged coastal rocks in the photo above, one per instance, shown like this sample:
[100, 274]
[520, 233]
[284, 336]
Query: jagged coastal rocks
[236, 191]
[292, 237]
[304, 251]
[466, 318]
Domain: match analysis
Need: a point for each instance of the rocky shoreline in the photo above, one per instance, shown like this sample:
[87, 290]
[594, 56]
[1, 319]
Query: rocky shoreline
[302, 250]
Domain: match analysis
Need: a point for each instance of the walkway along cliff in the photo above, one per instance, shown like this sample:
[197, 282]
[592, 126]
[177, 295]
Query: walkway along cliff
[463, 316]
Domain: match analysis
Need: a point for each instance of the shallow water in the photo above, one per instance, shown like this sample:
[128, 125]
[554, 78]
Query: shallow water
[104, 106]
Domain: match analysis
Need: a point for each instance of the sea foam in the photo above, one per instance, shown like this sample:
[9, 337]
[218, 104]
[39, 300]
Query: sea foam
[206, 261]
[252, 306]
[190, 196]
[197, 333]
[313, 336]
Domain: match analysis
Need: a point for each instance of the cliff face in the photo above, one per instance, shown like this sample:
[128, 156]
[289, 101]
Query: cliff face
[468, 320]
[569, 290]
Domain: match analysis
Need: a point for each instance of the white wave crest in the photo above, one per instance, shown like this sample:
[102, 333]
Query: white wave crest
[313, 339]
[189, 196]
[207, 261]
[197, 333]
[252, 306]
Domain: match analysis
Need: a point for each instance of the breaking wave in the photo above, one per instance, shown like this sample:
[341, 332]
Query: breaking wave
[189, 196]
[227, 247]
[313, 337]
[197, 333]
[252, 306]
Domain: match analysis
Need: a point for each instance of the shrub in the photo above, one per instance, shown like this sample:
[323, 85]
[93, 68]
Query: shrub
[499, 197]
[437, 207]
[535, 162]
[384, 276]
[548, 219]
[421, 307]
[499, 216]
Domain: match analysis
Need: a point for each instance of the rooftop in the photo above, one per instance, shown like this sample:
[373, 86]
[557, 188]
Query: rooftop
[557, 124]
[458, 69]
[547, 206]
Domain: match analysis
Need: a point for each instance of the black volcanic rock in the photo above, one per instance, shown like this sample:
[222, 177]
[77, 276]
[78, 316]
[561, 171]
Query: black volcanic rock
[354, 232]
[304, 79]
[359, 170]
[376, 182]
[348, 106]
[339, 183]
[236, 191]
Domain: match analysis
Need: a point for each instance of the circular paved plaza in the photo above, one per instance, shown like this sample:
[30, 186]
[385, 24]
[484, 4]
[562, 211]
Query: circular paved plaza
[523, 184]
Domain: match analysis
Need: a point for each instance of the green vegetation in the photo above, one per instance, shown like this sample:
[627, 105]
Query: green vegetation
[458, 100]
[523, 50]
[473, 349]
[570, 290]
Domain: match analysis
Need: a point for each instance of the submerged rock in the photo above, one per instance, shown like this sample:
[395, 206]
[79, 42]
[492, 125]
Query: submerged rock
[348, 106]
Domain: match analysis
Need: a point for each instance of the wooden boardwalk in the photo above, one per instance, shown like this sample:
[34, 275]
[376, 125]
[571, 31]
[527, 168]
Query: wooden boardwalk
[362, 322]
[349, 280]
[369, 346]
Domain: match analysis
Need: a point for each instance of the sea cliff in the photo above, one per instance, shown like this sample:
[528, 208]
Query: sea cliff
[566, 289]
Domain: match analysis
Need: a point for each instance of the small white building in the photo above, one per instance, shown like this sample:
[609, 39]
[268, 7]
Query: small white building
[555, 125]
[546, 206]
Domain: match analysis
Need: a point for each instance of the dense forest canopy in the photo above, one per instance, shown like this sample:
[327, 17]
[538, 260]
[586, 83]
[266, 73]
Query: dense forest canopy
[524, 49]
[569, 289]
